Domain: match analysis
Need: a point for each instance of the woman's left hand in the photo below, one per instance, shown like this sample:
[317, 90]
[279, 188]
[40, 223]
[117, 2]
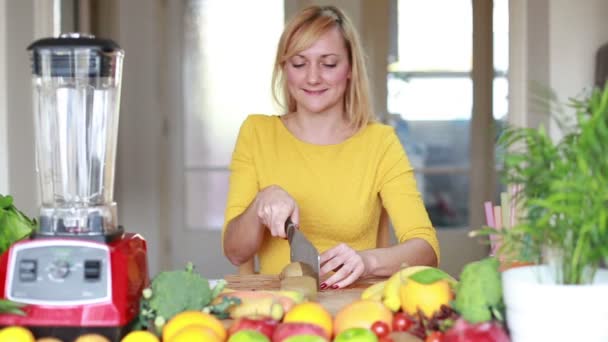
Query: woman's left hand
[347, 263]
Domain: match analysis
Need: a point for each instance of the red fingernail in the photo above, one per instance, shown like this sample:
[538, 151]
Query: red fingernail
[335, 286]
[323, 285]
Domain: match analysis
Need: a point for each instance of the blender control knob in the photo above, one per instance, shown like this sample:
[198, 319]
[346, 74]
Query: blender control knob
[60, 269]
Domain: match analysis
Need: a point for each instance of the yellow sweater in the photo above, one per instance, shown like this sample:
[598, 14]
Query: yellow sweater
[340, 189]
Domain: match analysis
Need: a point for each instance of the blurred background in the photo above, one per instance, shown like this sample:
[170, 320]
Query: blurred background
[447, 74]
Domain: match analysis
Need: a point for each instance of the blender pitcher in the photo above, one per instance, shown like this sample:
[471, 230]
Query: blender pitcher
[76, 87]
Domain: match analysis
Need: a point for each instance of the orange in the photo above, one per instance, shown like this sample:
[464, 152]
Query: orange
[310, 312]
[195, 333]
[197, 318]
[140, 336]
[16, 334]
[427, 298]
[362, 313]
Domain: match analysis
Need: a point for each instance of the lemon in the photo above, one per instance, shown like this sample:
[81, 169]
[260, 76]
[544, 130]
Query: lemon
[427, 298]
[310, 312]
[16, 333]
[197, 318]
[193, 333]
[140, 336]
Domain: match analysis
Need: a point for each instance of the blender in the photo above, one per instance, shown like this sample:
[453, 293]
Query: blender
[80, 272]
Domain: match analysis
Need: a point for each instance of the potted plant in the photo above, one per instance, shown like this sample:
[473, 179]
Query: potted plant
[561, 226]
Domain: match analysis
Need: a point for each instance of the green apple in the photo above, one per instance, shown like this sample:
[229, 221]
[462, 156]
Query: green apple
[356, 335]
[305, 338]
[248, 336]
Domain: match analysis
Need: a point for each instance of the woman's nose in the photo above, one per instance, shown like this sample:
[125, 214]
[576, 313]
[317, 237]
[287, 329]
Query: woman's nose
[313, 76]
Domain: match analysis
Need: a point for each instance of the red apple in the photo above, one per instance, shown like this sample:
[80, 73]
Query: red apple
[265, 325]
[286, 330]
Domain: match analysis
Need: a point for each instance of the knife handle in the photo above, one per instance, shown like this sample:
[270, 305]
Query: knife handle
[289, 228]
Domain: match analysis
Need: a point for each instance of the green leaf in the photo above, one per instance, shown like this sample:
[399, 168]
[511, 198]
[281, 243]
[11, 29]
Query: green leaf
[10, 307]
[431, 275]
[13, 227]
[6, 201]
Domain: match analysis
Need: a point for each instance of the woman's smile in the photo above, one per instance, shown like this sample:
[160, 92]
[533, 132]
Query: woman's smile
[314, 92]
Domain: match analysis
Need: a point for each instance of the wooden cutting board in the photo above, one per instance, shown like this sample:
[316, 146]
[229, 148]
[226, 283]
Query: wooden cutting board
[332, 300]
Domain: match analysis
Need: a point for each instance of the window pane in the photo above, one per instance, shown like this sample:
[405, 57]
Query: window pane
[501, 35]
[430, 98]
[227, 54]
[435, 35]
[501, 99]
[447, 199]
[227, 71]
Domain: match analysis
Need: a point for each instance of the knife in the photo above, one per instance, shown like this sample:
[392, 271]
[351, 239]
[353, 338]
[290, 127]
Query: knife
[301, 250]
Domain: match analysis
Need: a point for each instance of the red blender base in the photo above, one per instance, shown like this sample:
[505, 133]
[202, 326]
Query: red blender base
[75, 286]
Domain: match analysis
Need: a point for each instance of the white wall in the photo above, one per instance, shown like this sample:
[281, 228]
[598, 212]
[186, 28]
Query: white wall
[138, 182]
[576, 33]
[4, 189]
[553, 42]
[18, 161]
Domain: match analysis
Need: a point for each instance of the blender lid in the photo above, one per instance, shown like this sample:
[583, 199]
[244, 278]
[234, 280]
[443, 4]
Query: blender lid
[75, 40]
[68, 47]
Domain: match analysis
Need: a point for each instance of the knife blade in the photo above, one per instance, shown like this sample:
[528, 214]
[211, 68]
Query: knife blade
[301, 250]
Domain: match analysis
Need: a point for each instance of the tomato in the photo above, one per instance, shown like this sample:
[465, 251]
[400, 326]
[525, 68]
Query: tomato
[435, 336]
[381, 329]
[402, 322]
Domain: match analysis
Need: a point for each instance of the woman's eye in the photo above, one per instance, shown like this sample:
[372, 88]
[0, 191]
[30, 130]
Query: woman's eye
[329, 65]
[297, 65]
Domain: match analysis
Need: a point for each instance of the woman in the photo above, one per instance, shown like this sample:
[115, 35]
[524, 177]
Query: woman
[324, 164]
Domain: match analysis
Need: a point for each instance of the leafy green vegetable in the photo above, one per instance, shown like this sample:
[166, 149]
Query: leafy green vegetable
[14, 225]
[10, 307]
[172, 292]
[479, 292]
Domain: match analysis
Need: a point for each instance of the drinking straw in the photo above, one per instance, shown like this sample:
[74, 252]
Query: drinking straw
[497, 217]
[489, 214]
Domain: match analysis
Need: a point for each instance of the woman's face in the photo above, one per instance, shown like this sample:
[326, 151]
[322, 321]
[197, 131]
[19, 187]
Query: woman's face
[317, 77]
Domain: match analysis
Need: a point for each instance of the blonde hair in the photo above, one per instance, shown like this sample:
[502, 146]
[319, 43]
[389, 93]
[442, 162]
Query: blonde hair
[299, 34]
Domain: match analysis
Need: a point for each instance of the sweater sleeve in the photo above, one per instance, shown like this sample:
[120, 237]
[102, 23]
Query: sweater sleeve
[243, 183]
[400, 196]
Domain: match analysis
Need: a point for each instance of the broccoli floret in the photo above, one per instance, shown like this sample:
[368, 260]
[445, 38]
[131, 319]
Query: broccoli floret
[479, 292]
[177, 291]
[172, 292]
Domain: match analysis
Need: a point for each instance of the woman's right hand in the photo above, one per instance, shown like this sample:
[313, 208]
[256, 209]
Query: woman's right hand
[273, 206]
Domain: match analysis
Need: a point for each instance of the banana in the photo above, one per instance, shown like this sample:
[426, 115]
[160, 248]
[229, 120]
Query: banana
[390, 295]
[374, 292]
